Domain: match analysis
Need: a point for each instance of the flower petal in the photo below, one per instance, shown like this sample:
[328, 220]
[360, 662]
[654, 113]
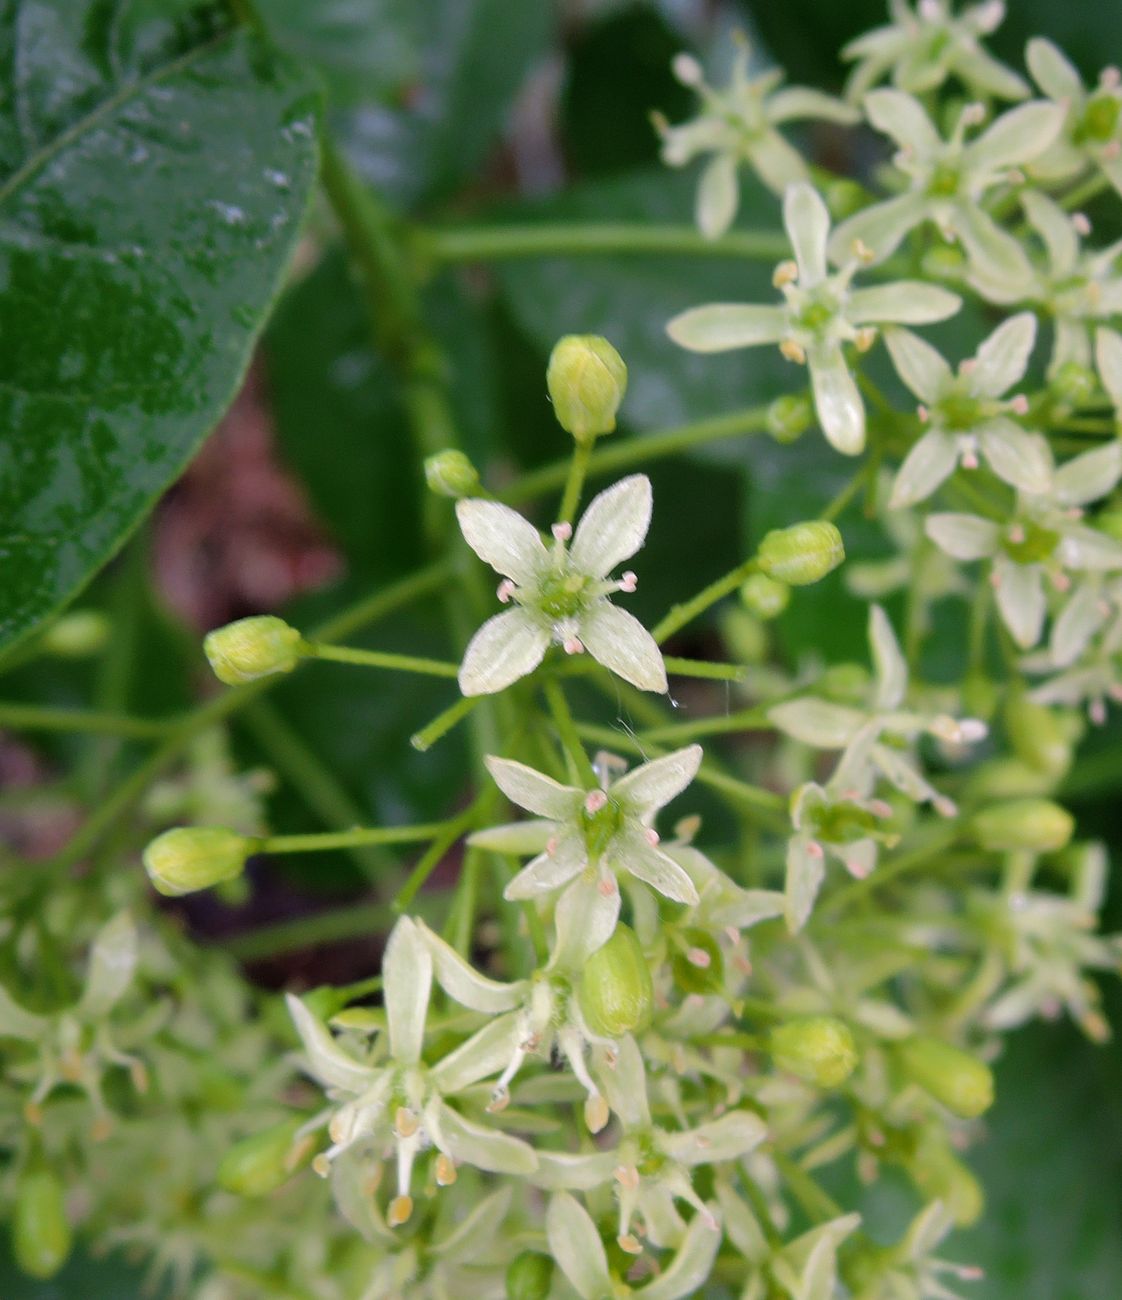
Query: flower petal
[689, 1271]
[808, 227]
[549, 871]
[721, 326]
[986, 76]
[1054, 73]
[631, 851]
[880, 227]
[1020, 598]
[1108, 358]
[473, 1144]
[329, 1063]
[1016, 136]
[533, 790]
[903, 302]
[1081, 618]
[1003, 357]
[1087, 548]
[112, 961]
[576, 1246]
[1054, 226]
[995, 252]
[817, 722]
[929, 463]
[891, 669]
[584, 920]
[613, 527]
[500, 536]
[776, 163]
[485, 1053]
[902, 117]
[1023, 460]
[728, 1138]
[620, 642]
[560, 1170]
[718, 194]
[795, 103]
[837, 401]
[517, 838]
[806, 867]
[407, 979]
[918, 364]
[506, 647]
[1089, 476]
[963, 537]
[463, 983]
[644, 790]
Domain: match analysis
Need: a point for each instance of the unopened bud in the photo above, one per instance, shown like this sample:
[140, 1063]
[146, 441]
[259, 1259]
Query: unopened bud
[819, 1049]
[1032, 825]
[801, 554]
[451, 474]
[587, 380]
[789, 417]
[259, 1164]
[529, 1277]
[844, 197]
[190, 858]
[1073, 384]
[76, 635]
[615, 992]
[41, 1236]
[765, 597]
[251, 648]
[960, 1081]
[1037, 736]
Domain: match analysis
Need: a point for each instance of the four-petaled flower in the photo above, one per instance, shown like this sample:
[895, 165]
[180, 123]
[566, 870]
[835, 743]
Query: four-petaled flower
[821, 313]
[606, 831]
[1092, 120]
[1044, 537]
[922, 48]
[949, 178]
[964, 414]
[561, 593]
[737, 125]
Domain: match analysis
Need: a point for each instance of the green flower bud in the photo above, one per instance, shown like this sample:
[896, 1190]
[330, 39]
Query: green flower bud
[845, 197]
[251, 648]
[1073, 384]
[765, 597]
[451, 474]
[586, 380]
[529, 1276]
[41, 1236]
[939, 1175]
[819, 1049]
[1037, 736]
[846, 683]
[789, 417]
[189, 858]
[76, 635]
[744, 635]
[615, 992]
[801, 554]
[1032, 825]
[1006, 778]
[259, 1164]
[960, 1081]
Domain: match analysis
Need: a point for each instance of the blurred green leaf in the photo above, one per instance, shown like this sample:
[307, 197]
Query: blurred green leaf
[149, 202]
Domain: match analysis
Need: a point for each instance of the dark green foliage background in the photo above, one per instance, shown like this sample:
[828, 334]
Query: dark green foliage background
[419, 92]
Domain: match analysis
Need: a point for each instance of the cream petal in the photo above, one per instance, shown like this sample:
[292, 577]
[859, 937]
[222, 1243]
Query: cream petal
[806, 868]
[902, 117]
[1020, 599]
[918, 364]
[776, 163]
[807, 220]
[500, 536]
[613, 527]
[473, 1144]
[646, 789]
[903, 302]
[963, 537]
[631, 851]
[837, 401]
[533, 790]
[1055, 228]
[1003, 357]
[549, 871]
[1015, 137]
[890, 666]
[1087, 477]
[576, 1246]
[1081, 618]
[1054, 73]
[506, 647]
[718, 195]
[1108, 358]
[720, 327]
[620, 642]
[929, 463]
[584, 920]
[463, 983]
[1023, 460]
[407, 979]
[518, 838]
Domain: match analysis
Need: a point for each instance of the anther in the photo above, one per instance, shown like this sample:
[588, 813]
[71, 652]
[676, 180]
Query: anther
[401, 1207]
[1019, 405]
[699, 957]
[405, 1122]
[923, 413]
[785, 273]
[629, 582]
[445, 1170]
[594, 801]
[652, 836]
[562, 532]
[506, 590]
[793, 351]
[1082, 223]
[865, 338]
[573, 646]
[814, 849]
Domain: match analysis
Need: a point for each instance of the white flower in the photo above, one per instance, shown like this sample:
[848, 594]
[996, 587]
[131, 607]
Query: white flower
[561, 593]
[922, 47]
[605, 832]
[737, 125]
[949, 178]
[397, 1106]
[821, 313]
[1092, 120]
[911, 1271]
[1043, 538]
[964, 415]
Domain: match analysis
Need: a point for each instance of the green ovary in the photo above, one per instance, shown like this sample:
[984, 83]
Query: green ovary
[561, 595]
[1037, 545]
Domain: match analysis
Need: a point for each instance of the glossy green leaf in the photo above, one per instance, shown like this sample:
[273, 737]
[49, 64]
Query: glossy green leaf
[153, 174]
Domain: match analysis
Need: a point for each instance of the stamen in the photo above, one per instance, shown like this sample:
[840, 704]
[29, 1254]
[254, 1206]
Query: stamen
[865, 338]
[1110, 78]
[405, 1122]
[862, 252]
[699, 957]
[1017, 534]
[923, 413]
[573, 646]
[785, 273]
[1061, 581]
[562, 531]
[606, 886]
[814, 849]
[506, 590]
[321, 1165]
[974, 114]
[1111, 150]
[943, 806]
[969, 460]
[446, 1173]
[596, 1113]
[629, 1243]
[401, 1207]
[968, 366]
[858, 870]
[1082, 223]
[1019, 405]
[652, 836]
[629, 582]
[793, 351]
[594, 801]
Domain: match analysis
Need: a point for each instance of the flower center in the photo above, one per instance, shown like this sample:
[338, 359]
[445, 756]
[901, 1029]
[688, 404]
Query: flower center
[1029, 543]
[1100, 119]
[842, 823]
[601, 826]
[960, 412]
[561, 595]
[945, 181]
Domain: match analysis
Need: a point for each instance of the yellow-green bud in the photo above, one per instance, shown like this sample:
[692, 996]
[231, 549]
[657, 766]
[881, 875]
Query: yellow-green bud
[615, 992]
[1073, 384]
[41, 1236]
[1006, 778]
[76, 635]
[960, 1081]
[765, 597]
[529, 1277]
[819, 1049]
[789, 417]
[251, 648]
[846, 683]
[451, 474]
[586, 380]
[259, 1164]
[844, 197]
[1032, 825]
[1037, 736]
[801, 554]
[189, 858]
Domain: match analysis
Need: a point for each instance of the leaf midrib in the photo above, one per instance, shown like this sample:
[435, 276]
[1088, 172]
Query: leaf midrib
[42, 156]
